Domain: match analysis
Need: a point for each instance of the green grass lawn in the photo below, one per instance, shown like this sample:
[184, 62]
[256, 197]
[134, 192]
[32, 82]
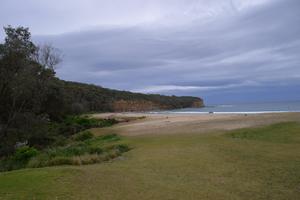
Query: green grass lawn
[259, 163]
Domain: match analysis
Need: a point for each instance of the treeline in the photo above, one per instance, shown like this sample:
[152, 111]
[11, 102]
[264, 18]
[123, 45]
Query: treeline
[34, 104]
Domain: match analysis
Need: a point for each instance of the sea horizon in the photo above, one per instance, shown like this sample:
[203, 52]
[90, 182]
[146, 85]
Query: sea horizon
[240, 108]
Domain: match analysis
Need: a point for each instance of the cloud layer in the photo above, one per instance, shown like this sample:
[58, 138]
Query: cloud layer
[225, 51]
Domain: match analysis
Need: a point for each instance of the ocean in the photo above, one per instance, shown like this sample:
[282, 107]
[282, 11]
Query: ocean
[251, 108]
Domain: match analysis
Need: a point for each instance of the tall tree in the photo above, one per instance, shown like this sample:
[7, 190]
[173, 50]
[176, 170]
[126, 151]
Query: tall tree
[24, 86]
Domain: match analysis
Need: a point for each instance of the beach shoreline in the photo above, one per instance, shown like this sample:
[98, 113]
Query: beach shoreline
[184, 123]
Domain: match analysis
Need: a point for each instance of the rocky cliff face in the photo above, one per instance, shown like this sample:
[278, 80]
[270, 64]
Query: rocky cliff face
[198, 104]
[134, 105]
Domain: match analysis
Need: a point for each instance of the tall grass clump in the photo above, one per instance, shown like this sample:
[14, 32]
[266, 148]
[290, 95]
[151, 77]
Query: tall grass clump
[86, 150]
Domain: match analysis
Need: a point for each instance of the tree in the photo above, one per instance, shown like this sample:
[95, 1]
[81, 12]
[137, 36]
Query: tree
[25, 86]
[48, 56]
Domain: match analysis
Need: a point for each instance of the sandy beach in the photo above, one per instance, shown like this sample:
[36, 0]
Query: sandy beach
[145, 123]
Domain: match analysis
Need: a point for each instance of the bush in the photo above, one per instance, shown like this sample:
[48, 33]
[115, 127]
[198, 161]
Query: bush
[60, 161]
[71, 150]
[19, 159]
[106, 122]
[95, 150]
[38, 161]
[87, 159]
[118, 148]
[23, 154]
[75, 124]
[110, 137]
[9, 164]
[85, 135]
[123, 148]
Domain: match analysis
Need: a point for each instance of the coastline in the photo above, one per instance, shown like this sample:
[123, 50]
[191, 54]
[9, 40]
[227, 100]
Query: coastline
[220, 113]
[174, 123]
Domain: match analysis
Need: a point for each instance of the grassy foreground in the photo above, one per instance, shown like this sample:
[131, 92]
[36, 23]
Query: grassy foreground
[258, 163]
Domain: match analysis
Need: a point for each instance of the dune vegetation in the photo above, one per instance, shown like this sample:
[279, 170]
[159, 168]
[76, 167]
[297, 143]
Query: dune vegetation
[250, 163]
[71, 144]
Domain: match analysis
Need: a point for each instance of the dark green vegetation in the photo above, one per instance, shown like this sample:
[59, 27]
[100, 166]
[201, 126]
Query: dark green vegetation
[35, 105]
[86, 149]
[185, 166]
[77, 147]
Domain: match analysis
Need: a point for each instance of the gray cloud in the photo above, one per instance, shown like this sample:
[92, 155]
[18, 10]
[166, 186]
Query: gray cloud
[178, 47]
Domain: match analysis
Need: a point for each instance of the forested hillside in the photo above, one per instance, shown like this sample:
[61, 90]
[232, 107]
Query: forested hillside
[87, 98]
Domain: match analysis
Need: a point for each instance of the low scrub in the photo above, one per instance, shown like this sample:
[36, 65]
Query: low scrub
[82, 136]
[19, 159]
[82, 149]
[74, 124]
[46, 134]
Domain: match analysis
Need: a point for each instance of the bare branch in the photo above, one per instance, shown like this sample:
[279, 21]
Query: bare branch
[48, 56]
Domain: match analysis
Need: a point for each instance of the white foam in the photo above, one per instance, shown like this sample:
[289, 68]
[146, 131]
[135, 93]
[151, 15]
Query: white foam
[224, 106]
[245, 112]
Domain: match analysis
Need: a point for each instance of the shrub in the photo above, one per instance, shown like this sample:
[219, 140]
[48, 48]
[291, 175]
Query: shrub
[19, 159]
[39, 161]
[110, 137]
[71, 150]
[106, 122]
[113, 154]
[82, 136]
[75, 124]
[8, 164]
[60, 161]
[23, 154]
[90, 159]
[60, 141]
[95, 150]
[123, 148]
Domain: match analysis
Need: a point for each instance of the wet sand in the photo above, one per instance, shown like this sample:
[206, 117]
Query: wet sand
[145, 123]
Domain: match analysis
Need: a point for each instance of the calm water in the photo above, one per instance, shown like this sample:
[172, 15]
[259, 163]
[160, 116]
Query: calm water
[243, 108]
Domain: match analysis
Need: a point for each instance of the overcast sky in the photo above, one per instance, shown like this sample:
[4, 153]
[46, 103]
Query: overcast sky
[225, 51]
